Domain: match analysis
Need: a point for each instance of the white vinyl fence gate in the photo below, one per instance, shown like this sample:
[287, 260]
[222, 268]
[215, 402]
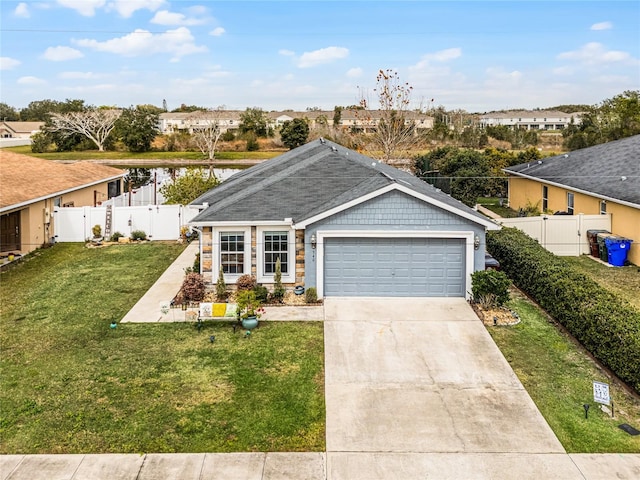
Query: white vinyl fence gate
[159, 222]
[564, 235]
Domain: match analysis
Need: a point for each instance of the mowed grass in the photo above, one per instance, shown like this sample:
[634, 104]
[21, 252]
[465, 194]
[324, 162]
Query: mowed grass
[153, 155]
[559, 377]
[71, 384]
[622, 281]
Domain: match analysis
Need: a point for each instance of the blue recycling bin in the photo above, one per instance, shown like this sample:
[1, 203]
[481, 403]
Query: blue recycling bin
[617, 249]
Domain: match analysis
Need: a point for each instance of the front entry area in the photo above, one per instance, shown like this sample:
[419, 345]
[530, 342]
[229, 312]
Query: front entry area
[395, 267]
[10, 232]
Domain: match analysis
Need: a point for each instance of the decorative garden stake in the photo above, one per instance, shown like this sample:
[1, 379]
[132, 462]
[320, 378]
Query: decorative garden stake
[586, 410]
[113, 325]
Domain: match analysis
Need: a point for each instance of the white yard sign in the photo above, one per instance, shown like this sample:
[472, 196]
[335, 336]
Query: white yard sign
[601, 393]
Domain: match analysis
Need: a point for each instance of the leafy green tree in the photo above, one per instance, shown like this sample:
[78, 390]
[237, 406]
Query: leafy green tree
[188, 108]
[254, 120]
[41, 110]
[294, 133]
[337, 116]
[185, 189]
[7, 113]
[137, 127]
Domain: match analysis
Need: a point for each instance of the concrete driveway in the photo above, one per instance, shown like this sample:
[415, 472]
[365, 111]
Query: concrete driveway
[412, 383]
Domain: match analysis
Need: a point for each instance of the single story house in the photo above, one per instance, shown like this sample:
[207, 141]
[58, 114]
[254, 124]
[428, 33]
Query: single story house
[596, 180]
[33, 187]
[343, 223]
[10, 129]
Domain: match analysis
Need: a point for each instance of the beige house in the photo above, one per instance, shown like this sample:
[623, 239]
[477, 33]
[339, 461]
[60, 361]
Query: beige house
[19, 129]
[530, 119]
[604, 179]
[32, 188]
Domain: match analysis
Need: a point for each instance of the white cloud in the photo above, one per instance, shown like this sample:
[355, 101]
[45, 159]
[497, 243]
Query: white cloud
[22, 10]
[79, 75]
[31, 81]
[322, 56]
[165, 17]
[217, 32]
[440, 56]
[86, 8]
[354, 72]
[178, 42]
[500, 78]
[595, 54]
[8, 63]
[61, 54]
[602, 26]
[126, 8]
[286, 53]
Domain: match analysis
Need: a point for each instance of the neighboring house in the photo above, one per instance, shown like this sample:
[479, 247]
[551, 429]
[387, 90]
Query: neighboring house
[19, 129]
[343, 223]
[190, 121]
[32, 188]
[530, 120]
[600, 179]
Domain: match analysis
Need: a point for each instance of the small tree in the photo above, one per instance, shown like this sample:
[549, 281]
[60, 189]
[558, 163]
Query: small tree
[185, 189]
[137, 127]
[294, 133]
[207, 131]
[278, 288]
[254, 120]
[221, 287]
[395, 129]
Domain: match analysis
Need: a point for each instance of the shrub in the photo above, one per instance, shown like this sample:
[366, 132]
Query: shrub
[115, 236]
[193, 287]
[262, 294]
[490, 287]
[221, 287]
[311, 295]
[246, 282]
[278, 289]
[606, 325]
[138, 235]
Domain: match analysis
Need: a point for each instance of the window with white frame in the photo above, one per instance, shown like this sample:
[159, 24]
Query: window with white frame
[545, 198]
[570, 203]
[232, 252]
[603, 207]
[276, 245]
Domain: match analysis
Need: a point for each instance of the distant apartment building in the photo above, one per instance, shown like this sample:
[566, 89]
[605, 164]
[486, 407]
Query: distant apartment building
[530, 119]
[230, 120]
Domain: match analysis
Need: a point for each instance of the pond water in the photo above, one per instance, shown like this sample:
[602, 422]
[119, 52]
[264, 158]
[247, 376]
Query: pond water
[140, 176]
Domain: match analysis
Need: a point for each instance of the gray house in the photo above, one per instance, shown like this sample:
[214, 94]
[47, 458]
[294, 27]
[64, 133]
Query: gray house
[343, 223]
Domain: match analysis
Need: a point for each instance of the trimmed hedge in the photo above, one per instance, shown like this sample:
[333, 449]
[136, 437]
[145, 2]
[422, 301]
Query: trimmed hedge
[606, 325]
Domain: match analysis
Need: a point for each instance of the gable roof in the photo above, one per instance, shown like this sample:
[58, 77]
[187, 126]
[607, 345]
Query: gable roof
[610, 171]
[28, 179]
[21, 127]
[312, 181]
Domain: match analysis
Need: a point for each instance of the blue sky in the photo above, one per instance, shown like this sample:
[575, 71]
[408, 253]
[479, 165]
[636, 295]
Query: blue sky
[475, 55]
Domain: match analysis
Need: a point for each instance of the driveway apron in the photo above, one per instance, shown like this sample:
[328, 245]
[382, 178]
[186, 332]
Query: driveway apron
[423, 376]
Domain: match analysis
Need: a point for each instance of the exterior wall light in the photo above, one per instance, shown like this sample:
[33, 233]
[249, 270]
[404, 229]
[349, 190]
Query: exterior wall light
[476, 242]
[314, 241]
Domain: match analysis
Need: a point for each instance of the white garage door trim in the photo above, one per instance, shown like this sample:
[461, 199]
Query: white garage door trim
[321, 235]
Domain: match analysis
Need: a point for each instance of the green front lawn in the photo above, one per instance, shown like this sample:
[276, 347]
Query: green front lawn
[71, 384]
[559, 378]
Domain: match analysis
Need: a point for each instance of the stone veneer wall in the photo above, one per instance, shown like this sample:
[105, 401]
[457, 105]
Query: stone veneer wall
[206, 262]
[299, 257]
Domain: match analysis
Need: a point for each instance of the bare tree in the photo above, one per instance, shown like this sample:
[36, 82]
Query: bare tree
[207, 131]
[95, 124]
[395, 123]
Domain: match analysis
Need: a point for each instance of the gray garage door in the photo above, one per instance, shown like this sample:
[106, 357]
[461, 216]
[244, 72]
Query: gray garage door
[394, 267]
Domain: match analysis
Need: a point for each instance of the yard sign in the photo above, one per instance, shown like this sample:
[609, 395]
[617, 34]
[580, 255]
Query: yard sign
[601, 393]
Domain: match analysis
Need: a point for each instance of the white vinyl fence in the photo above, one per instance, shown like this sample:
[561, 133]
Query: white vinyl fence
[564, 235]
[159, 222]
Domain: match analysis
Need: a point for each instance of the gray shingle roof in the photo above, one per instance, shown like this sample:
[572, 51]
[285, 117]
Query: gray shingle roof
[308, 181]
[597, 170]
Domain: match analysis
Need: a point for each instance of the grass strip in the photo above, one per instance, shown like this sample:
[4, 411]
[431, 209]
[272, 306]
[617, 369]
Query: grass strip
[559, 375]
